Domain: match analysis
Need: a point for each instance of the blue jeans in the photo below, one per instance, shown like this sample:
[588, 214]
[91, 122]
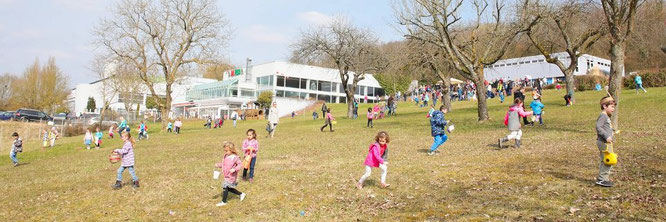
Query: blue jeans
[252, 162]
[12, 155]
[439, 140]
[131, 170]
[234, 123]
[501, 96]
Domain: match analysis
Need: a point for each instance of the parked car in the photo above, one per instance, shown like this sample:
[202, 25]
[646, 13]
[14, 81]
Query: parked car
[8, 115]
[31, 115]
[107, 122]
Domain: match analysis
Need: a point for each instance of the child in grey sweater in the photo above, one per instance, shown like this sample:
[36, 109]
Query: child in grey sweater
[604, 136]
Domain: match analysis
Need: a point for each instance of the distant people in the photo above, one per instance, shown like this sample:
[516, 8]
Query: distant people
[45, 139]
[143, 133]
[639, 83]
[370, 116]
[234, 117]
[597, 87]
[122, 126]
[177, 125]
[169, 127]
[328, 121]
[208, 124]
[273, 119]
[98, 138]
[87, 139]
[53, 135]
[315, 115]
[111, 131]
[512, 121]
[323, 109]
[558, 86]
[17, 147]
[377, 157]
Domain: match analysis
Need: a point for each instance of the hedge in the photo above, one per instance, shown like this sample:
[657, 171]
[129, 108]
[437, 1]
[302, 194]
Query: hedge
[650, 79]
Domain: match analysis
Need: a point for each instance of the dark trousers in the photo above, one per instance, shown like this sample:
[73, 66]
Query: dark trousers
[177, 130]
[225, 194]
[327, 123]
[369, 123]
[252, 162]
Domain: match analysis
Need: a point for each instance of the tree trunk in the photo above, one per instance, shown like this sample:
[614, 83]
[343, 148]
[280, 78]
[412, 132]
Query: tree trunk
[615, 82]
[167, 105]
[350, 102]
[569, 81]
[446, 95]
[481, 96]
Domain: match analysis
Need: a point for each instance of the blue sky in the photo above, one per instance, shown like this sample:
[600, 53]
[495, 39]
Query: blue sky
[262, 29]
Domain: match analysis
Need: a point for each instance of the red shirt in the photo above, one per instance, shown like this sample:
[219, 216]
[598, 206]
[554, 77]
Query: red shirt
[382, 149]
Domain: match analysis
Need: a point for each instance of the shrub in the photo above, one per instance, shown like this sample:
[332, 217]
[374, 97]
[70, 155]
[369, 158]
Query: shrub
[588, 82]
[650, 79]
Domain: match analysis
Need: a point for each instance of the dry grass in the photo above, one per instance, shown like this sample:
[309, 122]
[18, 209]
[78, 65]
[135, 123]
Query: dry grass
[302, 169]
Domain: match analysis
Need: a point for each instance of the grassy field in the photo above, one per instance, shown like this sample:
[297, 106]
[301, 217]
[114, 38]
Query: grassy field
[550, 178]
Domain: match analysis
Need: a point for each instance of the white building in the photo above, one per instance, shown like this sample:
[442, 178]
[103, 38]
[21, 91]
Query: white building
[294, 86]
[534, 67]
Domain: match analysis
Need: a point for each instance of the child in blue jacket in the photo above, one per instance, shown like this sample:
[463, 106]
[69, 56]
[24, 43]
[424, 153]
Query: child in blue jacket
[537, 108]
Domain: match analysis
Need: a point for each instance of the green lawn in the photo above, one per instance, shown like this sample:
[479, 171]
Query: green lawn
[302, 169]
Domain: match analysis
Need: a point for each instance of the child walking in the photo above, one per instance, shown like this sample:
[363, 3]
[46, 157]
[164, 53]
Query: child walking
[45, 138]
[169, 127]
[177, 125]
[17, 147]
[87, 139]
[537, 108]
[604, 137]
[53, 135]
[328, 121]
[230, 165]
[438, 128]
[111, 132]
[370, 116]
[512, 121]
[377, 157]
[250, 148]
[98, 138]
[127, 154]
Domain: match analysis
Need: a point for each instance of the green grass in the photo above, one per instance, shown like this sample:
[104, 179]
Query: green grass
[550, 178]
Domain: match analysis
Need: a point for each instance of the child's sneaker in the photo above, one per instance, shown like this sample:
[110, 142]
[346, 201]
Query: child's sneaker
[242, 196]
[251, 179]
[604, 183]
[15, 164]
[385, 185]
[135, 184]
[359, 185]
[517, 143]
[430, 153]
[220, 204]
[117, 185]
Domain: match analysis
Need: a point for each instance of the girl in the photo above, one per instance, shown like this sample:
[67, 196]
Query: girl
[328, 121]
[53, 135]
[512, 121]
[177, 125]
[230, 165]
[111, 132]
[377, 156]
[98, 138]
[87, 139]
[127, 153]
[369, 115]
[250, 148]
[45, 139]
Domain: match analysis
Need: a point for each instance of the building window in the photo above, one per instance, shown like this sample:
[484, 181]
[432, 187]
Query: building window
[535, 61]
[326, 98]
[343, 99]
[380, 92]
[342, 90]
[313, 85]
[291, 94]
[305, 96]
[325, 86]
[334, 86]
[234, 92]
[279, 93]
[304, 83]
[280, 81]
[247, 93]
[371, 91]
[293, 82]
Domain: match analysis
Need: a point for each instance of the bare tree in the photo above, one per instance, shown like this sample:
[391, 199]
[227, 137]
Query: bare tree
[354, 52]
[554, 27]
[426, 56]
[619, 15]
[163, 37]
[6, 83]
[103, 69]
[469, 47]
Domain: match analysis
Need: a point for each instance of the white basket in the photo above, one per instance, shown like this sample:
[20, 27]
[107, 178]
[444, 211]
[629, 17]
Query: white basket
[216, 174]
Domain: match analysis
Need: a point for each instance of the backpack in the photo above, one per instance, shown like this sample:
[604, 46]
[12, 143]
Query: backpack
[18, 146]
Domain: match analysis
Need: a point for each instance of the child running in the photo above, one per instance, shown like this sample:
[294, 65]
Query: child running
[87, 139]
[370, 116]
[377, 157]
[127, 154]
[512, 121]
[98, 138]
[230, 165]
[250, 148]
[537, 108]
[111, 132]
[328, 121]
[604, 137]
[438, 128]
[17, 147]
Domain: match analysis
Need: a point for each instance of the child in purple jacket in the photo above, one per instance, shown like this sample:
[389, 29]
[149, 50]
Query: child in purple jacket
[127, 153]
[230, 165]
[377, 156]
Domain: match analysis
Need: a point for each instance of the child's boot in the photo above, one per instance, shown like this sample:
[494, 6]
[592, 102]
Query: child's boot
[135, 184]
[517, 143]
[117, 185]
[502, 140]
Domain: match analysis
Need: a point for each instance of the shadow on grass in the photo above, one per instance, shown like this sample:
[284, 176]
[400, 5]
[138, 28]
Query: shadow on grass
[496, 146]
[569, 176]
[423, 150]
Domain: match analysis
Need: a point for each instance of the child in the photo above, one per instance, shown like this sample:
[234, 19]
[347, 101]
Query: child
[375, 110]
[177, 125]
[604, 136]
[230, 165]
[370, 116]
[127, 153]
[53, 135]
[537, 108]
[111, 132]
[142, 130]
[438, 128]
[512, 121]
[328, 121]
[250, 148]
[87, 139]
[45, 138]
[98, 138]
[17, 147]
[377, 156]
[315, 115]
[169, 127]
[431, 111]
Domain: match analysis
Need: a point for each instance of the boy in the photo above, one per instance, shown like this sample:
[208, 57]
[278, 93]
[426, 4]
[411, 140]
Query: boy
[17, 147]
[537, 108]
[604, 136]
[98, 138]
[438, 128]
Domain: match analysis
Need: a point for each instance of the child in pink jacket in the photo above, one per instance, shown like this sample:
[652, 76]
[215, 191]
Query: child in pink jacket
[250, 148]
[230, 165]
[377, 156]
[512, 121]
[328, 121]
